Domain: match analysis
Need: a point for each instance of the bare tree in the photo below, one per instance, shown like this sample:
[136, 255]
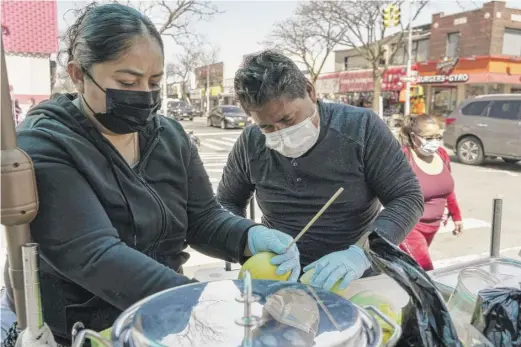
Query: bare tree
[361, 22]
[305, 40]
[189, 57]
[207, 58]
[175, 18]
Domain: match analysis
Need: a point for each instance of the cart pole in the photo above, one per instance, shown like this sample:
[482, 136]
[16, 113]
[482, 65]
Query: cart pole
[19, 198]
[495, 241]
[252, 208]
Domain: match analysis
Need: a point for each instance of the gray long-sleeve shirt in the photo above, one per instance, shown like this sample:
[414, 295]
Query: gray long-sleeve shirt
[356, 151]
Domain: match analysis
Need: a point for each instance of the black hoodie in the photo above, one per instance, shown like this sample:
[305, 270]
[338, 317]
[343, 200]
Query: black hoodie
[111, 234]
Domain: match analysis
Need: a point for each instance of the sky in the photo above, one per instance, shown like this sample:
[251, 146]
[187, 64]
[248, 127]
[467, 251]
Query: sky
[243, 25]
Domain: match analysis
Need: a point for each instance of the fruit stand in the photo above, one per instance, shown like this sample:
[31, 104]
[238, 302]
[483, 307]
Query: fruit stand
[229, 312]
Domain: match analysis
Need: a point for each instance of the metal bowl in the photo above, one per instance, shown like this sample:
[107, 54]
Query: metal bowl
[248, 313]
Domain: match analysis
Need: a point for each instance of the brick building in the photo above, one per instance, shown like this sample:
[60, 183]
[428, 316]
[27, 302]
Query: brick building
[456, 56]
[472, 53]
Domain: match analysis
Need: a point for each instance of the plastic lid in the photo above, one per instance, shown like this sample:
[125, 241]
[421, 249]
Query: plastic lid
[206, 314]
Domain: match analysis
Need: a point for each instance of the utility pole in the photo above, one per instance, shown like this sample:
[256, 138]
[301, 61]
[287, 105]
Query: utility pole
[409, 63]
[208, 89]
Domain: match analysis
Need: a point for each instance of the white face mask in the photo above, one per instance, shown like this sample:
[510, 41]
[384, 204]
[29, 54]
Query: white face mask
[294, 141]
[428, 147]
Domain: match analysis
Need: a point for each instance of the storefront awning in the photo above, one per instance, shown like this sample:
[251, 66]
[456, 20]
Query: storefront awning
[470, 70]
[327, 84]
[362, 80]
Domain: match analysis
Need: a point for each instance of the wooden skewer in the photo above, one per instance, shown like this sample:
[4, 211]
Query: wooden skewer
[317, 216]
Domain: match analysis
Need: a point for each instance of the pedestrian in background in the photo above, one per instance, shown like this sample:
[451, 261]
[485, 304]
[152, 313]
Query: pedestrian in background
[431, 163]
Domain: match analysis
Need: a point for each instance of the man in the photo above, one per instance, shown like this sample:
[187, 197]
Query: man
[297, 156]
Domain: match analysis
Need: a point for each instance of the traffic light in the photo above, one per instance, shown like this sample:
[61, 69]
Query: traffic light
[396, 14]
[391, 16]
[386, 16]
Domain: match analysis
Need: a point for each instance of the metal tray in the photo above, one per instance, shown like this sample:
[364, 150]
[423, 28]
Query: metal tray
[506, 269]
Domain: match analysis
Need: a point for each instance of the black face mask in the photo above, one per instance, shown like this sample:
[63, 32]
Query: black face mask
[128, 111]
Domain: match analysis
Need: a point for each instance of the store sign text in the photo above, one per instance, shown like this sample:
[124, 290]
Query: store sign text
[458, 78]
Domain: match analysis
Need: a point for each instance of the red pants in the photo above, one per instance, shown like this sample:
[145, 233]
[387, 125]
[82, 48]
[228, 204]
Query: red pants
[417, 243]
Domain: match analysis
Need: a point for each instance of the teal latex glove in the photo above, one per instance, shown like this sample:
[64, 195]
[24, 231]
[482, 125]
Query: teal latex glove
[348, 265]
[262, 239]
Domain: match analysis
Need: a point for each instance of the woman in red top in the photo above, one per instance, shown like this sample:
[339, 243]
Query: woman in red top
[431, 163]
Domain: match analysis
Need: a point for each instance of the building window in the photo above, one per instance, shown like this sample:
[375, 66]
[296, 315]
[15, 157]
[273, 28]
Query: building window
[419, 52]
[512, 42]
[422, 50]
[399, 56]
[346, 63]
[452, 45]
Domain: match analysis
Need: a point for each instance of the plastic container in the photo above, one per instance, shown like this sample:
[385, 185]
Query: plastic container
[463, 300]
[507, 270]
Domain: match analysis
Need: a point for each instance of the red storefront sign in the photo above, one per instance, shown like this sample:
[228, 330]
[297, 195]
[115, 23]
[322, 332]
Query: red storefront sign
[362, 80]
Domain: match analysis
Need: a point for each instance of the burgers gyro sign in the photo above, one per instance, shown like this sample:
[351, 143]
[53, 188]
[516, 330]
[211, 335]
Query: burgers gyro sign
[458, 78]
[444, 69]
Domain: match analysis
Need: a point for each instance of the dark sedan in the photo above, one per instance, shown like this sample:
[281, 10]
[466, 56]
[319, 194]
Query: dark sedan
[181, 110]
[227, 116]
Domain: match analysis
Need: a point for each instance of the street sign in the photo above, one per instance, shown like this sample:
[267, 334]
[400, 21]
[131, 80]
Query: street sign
[406, 79]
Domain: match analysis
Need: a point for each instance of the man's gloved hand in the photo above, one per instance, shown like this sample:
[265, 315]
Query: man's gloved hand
[262, 239]
[347, 266]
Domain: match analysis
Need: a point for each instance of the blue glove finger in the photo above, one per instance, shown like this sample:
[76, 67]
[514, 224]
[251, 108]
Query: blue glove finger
[275, 245]
[311, 266]
[262, 239]
[334, 277]
[324, 274]
[295, 274]
[318, 266]
[293, 266]
[348, 278]
[287, 266]
[281, 258]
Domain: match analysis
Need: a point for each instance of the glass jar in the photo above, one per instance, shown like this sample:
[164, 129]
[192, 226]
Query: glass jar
[462, 302]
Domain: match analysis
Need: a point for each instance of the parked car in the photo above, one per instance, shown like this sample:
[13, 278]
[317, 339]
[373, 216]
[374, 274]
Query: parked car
[227, 116]
[180, 110]
[485, 126]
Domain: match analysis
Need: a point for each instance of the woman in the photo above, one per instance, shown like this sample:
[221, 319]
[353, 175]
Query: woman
[122, 190]
[431, 163]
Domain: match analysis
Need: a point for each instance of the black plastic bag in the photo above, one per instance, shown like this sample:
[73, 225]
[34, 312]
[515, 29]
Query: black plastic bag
[497, 316]
[426, 321]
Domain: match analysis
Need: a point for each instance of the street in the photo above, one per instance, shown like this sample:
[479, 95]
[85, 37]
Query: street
[476, 187]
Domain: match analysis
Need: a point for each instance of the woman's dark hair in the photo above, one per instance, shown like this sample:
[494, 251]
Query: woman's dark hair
[415, 123]
[104, 32]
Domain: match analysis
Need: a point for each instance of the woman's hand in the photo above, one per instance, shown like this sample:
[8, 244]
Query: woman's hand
[262, 239]
[458, 228]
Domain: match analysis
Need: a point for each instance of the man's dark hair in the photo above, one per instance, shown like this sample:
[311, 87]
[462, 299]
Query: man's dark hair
[267, 76]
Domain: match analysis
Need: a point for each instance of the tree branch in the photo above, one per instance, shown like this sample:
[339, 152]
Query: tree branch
[305, 39]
